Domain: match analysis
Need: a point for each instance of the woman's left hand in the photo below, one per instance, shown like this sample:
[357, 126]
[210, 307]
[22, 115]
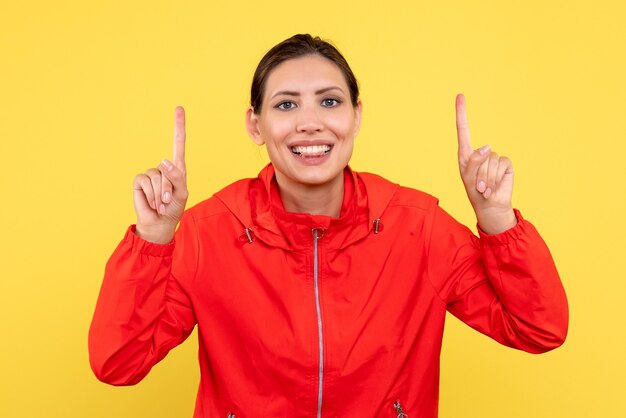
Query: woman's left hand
[487, 177]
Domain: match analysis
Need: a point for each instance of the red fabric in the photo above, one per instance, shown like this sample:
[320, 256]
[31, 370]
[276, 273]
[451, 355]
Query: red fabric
[383, 300]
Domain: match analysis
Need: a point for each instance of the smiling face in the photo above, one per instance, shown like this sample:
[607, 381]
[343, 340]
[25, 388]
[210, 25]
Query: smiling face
[307, 122]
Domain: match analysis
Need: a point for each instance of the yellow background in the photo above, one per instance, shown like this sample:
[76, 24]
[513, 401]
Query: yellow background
[87, 92]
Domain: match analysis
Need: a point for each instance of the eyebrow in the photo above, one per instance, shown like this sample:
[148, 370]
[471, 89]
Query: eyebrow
[295, 93]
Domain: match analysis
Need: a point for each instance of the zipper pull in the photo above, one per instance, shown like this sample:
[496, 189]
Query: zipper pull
[247, 236]
[398, 409]
[377, 226]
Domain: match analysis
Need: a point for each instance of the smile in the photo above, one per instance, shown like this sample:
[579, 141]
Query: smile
[311, 150]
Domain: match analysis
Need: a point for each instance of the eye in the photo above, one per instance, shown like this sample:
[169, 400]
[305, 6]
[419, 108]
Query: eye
[285, 105]
[331, 102]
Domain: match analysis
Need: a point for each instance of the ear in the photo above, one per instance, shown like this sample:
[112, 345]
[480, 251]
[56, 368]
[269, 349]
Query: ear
[358, 110]
[252, 126]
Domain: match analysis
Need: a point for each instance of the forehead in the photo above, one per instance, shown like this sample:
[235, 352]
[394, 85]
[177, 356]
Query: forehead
[303, 73]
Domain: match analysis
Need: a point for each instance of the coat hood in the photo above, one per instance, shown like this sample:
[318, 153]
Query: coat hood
[257, 205]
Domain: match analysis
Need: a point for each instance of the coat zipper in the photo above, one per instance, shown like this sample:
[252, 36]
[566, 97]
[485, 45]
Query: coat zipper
[316, 237]
[399, 410]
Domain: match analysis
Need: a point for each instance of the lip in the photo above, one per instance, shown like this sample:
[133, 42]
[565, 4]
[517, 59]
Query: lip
[309, 142]
[311, 159]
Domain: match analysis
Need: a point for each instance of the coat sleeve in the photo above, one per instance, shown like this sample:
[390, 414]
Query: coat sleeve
[505, 286]
[142, 312]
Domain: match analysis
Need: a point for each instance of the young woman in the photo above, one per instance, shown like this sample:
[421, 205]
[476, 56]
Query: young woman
[319, 291]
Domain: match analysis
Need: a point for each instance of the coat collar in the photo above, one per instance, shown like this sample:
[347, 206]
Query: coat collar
[256, 203]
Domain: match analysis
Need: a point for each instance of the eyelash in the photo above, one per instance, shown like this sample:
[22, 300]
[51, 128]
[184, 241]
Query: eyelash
[280, 105]
[336, 103]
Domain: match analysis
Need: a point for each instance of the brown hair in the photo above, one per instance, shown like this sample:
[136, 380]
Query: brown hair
[296, 47]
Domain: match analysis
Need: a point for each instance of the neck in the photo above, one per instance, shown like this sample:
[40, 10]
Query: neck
[320, 199]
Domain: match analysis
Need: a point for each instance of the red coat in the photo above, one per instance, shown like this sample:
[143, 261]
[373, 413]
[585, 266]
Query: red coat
[345, 324]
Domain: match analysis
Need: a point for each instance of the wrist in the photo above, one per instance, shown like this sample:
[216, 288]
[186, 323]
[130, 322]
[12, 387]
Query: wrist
[160, 234]
[493, 223]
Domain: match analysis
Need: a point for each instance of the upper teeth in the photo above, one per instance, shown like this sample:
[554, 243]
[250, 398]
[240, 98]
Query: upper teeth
[311, 149]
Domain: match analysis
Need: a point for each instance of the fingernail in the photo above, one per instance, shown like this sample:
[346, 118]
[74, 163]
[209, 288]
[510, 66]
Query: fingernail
[166, 197]
[168, 166]
[162, 209]
[484, 149]
[487, 193]
[481, 186]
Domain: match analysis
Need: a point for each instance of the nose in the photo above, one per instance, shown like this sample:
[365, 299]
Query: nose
[309, 120]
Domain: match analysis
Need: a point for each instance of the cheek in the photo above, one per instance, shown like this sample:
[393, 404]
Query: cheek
[276, 130]
[343, 131]
[344, 126]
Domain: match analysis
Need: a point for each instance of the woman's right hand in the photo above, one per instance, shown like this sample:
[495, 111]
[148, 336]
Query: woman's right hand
[160, 194]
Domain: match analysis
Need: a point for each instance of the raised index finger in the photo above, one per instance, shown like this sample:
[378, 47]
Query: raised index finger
[179, 138]
[462, 128]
